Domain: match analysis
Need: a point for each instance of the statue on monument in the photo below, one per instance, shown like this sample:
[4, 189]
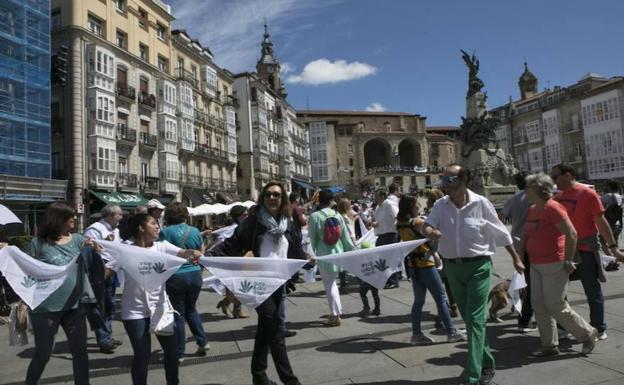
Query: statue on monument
[474, 83]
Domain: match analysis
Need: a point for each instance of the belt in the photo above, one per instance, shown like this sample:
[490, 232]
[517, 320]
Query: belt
[460, 261]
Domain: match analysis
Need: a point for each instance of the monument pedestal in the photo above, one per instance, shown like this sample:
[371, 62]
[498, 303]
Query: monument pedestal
[490, 178]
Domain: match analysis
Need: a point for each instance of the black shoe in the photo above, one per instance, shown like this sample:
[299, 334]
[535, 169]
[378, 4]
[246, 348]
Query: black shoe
[290, 333]
[107, 349]
[487, 374]
[376, 311]
[391, 286]
[269, 382]
[117, 342]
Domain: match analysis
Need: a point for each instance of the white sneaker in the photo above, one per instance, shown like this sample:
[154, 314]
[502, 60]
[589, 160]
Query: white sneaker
[590, 342]
[602, 336]
[456, 337]
[421, 339]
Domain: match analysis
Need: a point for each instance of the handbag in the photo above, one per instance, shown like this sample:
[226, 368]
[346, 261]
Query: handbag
[162, 319]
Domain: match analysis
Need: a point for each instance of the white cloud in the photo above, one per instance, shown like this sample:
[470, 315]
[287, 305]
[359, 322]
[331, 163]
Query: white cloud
[286, 68]
[233, 29]
[376, 107]
[324, 71]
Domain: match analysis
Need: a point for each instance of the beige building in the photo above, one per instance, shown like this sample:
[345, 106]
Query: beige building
[358, 150]
[145, 113]
[272, 144]
[581, 125]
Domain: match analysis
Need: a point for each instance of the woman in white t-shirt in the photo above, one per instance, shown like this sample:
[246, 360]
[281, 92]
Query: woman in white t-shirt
[136, 303]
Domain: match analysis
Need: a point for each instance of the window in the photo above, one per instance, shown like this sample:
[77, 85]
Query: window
[211, 80]
[144, 52]
[105, 110]
[601, 111]
[194, 73]
[122, 75]
[96, 26]
[106, 158]
[161, 31]
[55, 18]
[120, 5]
[170, 93]
[142, 18]
[163, 64]
[533, 131]
[122, 39]
[104, 63]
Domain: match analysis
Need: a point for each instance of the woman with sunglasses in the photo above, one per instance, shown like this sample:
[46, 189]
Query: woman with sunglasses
[268, 232]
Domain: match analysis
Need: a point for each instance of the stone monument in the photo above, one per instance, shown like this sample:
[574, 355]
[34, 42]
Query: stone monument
[492, 170]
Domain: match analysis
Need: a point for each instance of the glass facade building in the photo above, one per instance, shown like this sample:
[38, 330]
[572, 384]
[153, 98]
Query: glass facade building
[25, 88]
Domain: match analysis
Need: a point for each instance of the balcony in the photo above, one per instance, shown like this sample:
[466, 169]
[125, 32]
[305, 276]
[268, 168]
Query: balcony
[202, 150]
[148, 141]
[125, 180]
[218, 154]
[147, 100]
[572, 159]
[126, 92]
[230, 100]
[126, 135]
[200, 116]
[520, 140]
[191, 180]
[188, 76]
[150, 183]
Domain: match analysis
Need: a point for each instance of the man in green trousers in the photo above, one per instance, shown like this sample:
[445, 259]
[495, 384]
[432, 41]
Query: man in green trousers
[467, 228]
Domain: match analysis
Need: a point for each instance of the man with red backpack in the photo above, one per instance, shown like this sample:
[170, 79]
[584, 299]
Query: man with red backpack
[329, 235]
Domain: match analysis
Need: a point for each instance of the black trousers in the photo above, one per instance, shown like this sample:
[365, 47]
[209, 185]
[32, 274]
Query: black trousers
[270, 337]
[527, 308]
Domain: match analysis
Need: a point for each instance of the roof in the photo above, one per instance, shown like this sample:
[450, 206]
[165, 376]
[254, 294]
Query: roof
[354, 113]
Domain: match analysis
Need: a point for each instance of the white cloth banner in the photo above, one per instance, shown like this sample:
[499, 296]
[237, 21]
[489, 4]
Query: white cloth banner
[217, 208]
[375, 265]
[214, 284]
[7, 216]
[252, 280]
[32, 280]
[517, 283]
[148, 267]
[369, 236]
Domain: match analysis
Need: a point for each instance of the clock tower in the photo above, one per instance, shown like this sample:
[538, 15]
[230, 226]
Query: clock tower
[268, 66]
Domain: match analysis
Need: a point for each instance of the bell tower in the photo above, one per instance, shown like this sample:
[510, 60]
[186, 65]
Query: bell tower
[268, 66]
[527, 83]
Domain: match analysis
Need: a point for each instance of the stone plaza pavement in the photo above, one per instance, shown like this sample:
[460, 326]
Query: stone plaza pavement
[364, 351]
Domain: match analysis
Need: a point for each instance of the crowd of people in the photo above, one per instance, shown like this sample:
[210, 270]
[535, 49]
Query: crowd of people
[554, 237]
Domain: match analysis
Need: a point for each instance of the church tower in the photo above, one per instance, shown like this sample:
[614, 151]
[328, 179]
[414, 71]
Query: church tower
[268, 66]
[527, 83]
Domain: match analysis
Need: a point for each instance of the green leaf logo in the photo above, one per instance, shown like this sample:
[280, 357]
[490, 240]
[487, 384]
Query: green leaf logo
[28, 281]
[381, 265]
[246, 286]
[159, 267]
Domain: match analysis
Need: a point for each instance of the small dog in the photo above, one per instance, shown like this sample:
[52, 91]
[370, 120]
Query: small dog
[499, 297]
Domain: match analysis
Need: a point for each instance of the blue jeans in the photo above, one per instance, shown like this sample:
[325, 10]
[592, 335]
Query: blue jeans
[141, 340]
[183, 290]
[587, 271]
[429, 279]
[101, 320]
[45, 326]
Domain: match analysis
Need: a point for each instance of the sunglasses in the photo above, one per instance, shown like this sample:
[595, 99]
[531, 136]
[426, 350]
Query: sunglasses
[272, 194]
[448, 179]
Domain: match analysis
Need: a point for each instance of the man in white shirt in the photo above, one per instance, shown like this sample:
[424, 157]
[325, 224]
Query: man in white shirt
[101, 318]
[468, 231]
[385, 225]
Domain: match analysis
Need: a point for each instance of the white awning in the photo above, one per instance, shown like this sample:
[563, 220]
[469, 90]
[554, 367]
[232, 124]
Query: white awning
[145, 118]
[123, 110]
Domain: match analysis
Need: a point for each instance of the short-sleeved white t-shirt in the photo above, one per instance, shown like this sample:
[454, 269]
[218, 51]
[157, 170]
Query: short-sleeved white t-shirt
[136, 301]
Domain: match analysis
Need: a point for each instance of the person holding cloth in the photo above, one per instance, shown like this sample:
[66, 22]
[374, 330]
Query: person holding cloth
[468, 230]
[268, 232]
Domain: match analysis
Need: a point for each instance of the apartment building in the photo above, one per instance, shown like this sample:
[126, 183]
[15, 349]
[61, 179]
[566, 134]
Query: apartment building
[272, 144]
[581, 125]
[25, 183]
[132, 122]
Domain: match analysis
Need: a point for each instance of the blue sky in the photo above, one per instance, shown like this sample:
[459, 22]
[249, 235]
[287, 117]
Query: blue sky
[403, 55]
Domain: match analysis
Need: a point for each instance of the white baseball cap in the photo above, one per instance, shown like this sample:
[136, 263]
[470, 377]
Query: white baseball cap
[155, 204]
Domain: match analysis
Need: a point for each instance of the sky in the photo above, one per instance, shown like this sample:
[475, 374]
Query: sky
[403, 55]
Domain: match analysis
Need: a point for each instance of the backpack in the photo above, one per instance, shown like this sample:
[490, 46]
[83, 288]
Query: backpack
[613, 213]
[332, 229]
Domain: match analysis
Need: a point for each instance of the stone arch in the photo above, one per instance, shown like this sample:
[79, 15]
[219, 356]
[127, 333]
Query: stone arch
[377, 153]
[409, 153]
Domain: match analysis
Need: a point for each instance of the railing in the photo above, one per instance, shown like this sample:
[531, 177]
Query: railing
[397, 170]
[230, 100]
[127, 180]
[148, 139]
[126, 91]
[150, 183]
[148, 100]
[194, 180]
[126, 134]
[182, 74]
